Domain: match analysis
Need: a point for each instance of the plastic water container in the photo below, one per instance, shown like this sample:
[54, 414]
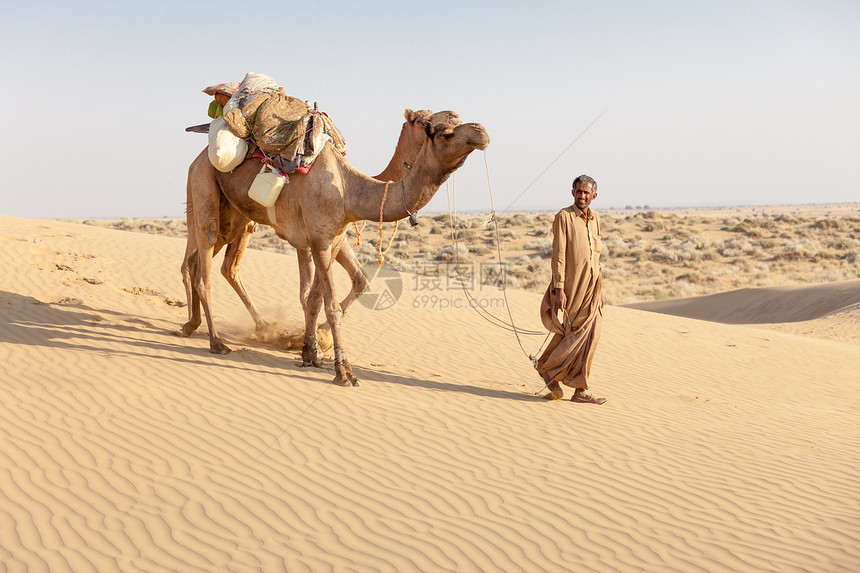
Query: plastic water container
[267, 186]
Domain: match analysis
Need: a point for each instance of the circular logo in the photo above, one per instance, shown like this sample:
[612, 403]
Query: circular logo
[384, 289]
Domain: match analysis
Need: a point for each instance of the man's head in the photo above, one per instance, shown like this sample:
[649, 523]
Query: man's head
[584, 191]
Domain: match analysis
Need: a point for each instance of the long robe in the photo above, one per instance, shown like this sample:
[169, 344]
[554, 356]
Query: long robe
[575, 267]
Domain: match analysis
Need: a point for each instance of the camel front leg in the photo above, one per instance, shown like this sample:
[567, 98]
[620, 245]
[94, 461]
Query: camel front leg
[325, 281]
[360, 281]
[310, 295]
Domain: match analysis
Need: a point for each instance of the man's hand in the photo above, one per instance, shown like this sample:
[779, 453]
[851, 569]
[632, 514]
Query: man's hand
[559, 299]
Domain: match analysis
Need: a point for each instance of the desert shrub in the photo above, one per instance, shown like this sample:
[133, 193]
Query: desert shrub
[798, 250]
[789, 219]
[659, 294]
[614, 245]
[842, 243]
[653, 226]
[829, 224]
[695, 277]
[521, 219]
[736, 248]
[536, 245]
[747, 229]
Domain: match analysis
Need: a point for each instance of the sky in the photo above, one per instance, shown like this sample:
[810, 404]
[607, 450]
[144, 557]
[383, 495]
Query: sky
[664, 103]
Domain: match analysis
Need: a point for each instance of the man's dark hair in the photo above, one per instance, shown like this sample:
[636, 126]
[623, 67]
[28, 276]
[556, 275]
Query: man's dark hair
[585, 179]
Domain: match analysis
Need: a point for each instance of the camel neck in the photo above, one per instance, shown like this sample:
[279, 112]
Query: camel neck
[406, 195]
[398, 166]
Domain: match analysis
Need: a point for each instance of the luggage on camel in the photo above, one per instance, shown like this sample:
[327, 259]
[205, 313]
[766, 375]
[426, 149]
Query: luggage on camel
[226, 151]
[260, 120]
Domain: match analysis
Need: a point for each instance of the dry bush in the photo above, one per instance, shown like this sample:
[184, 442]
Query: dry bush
[653, 226]
[646, 254]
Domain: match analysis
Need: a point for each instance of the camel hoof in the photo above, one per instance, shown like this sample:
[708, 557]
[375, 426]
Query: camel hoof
[218, 347]
[347, 383]
[187, 330]
[316, 363]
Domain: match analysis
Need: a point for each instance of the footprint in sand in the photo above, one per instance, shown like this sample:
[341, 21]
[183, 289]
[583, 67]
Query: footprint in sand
[142, 290]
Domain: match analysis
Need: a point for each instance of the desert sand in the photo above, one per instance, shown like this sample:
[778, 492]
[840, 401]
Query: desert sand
[729, 442]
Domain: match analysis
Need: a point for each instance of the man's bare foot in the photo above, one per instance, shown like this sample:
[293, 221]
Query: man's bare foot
[555, 391]
[586, 397]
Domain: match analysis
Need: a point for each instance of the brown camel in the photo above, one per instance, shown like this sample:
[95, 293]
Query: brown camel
[314, 214]
[234, 231]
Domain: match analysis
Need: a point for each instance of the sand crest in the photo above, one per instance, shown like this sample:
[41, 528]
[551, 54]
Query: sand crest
[723, 447]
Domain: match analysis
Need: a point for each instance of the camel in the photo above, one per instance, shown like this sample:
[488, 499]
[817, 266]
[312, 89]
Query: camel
[234, 231]
[314, 214]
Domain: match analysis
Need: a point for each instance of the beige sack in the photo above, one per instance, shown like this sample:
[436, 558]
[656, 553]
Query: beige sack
[226, 151]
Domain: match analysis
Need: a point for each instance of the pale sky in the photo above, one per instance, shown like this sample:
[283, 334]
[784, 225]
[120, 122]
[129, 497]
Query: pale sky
[747, 102]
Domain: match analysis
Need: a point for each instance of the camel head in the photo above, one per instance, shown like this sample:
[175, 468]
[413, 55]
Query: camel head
[449, 145]
[465, 137]
[417, 122]
[414, 133]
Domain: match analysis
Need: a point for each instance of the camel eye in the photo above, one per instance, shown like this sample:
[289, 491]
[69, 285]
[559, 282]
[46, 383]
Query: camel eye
[448, 135]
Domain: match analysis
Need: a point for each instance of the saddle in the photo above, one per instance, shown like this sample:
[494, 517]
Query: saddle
[282, 130]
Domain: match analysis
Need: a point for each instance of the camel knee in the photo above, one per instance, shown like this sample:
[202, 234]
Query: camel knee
[360, 282]
[210, 229]
[312, 300]
[186, 274]
[228, 272]
[304, 295]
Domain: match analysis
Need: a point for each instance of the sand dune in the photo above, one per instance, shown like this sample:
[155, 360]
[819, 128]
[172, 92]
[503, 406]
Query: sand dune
[826, 311]
[723, 447]
[763, 305]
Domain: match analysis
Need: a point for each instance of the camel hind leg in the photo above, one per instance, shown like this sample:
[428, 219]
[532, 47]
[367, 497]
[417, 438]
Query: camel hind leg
[189, 276]
[203, 286]
[204, 195]
[230, 271]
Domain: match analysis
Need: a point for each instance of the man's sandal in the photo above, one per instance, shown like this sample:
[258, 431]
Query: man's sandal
[587, 399]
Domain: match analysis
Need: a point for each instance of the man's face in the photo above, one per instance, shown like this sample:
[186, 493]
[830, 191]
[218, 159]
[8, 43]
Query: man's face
[583, 195]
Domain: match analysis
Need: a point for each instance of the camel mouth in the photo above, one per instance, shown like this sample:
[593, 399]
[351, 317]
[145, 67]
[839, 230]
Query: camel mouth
[480, 139]
[481, 144]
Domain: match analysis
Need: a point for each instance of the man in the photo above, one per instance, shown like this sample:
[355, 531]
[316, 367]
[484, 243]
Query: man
[572, 307]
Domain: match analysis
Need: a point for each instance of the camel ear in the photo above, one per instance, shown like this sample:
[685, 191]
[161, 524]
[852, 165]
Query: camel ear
[409, 115]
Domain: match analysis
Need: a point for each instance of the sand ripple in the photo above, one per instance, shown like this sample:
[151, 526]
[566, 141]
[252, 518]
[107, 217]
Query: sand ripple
[126, 448]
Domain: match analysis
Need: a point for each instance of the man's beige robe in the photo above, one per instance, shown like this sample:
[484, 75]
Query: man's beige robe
[575, 268]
